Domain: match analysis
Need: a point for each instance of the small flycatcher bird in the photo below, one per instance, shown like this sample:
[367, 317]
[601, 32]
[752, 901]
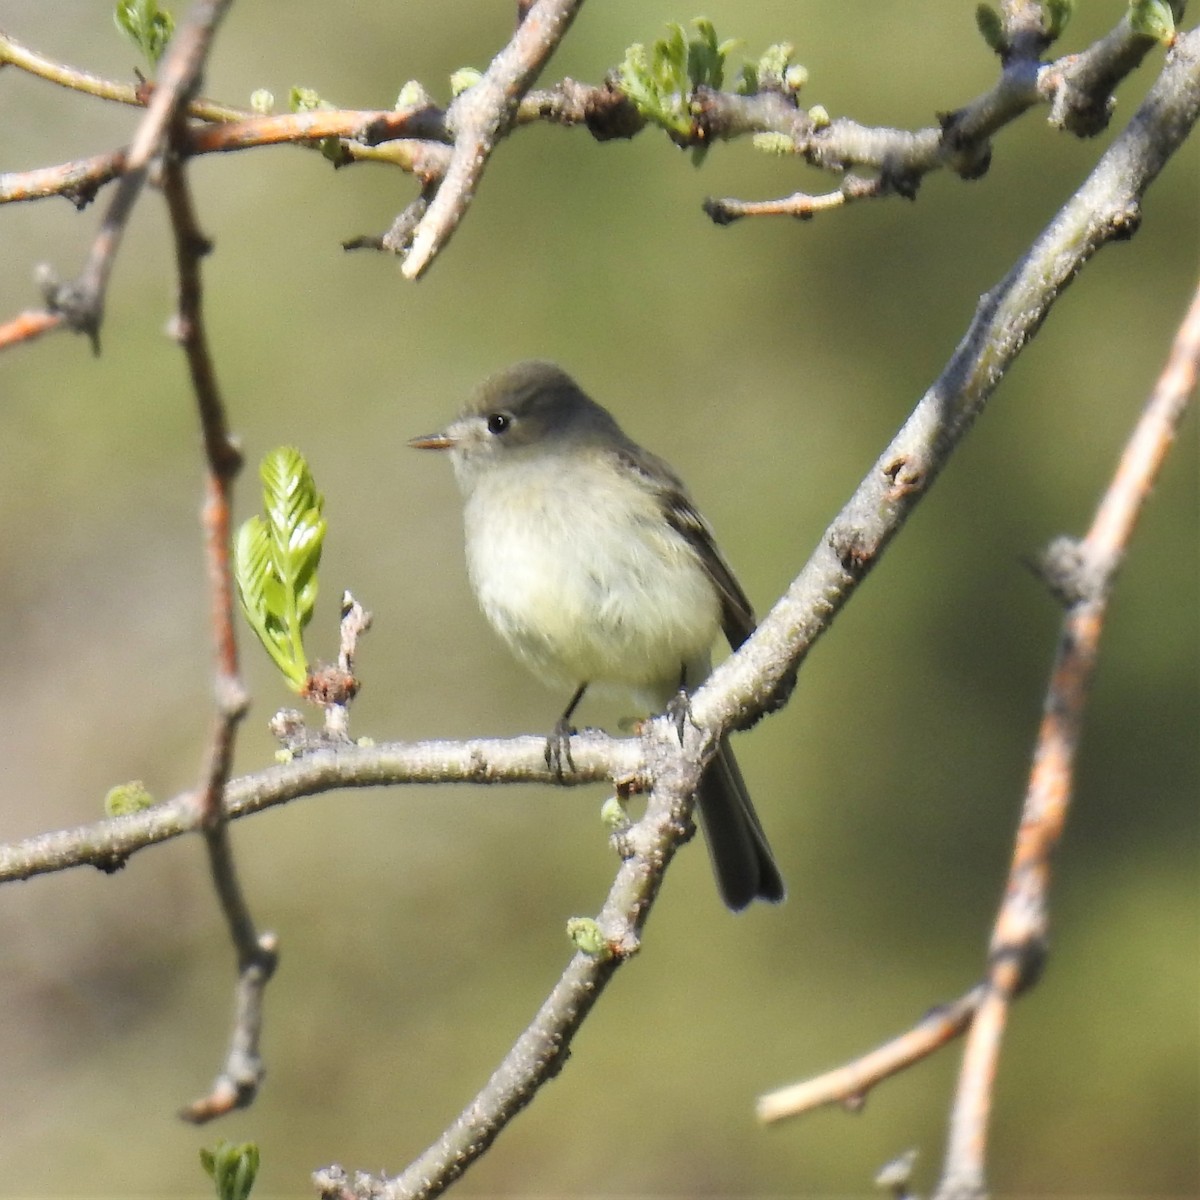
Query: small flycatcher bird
[591, 562]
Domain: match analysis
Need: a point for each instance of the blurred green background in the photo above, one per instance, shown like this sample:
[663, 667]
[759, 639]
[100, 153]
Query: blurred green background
[420, 928]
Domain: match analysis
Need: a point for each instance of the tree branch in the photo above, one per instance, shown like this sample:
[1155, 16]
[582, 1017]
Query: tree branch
[1078, 88]
[752, 678]
[82, 302]
[480, 117]
[1083, 573]
[109, 843]
[751, 682]
[848, 1085]
[18, 55]
[1106, 208]
[239, 1079]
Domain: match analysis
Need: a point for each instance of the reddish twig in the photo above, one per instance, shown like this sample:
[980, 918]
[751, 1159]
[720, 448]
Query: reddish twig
[801, 205]
[80, 179]
[848, 1085]
[242, 1072]
[26, 326]
[1084, 574]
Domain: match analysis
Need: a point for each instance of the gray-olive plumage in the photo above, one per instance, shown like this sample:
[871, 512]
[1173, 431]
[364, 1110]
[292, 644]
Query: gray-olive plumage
[591, 562]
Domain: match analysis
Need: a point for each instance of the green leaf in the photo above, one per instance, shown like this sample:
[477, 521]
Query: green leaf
[464, 78]
[302, 99]
[705, 58]
[989, 24]
[660, 81]
[232, 1168]
[588, 937]
[275, 560]
[656, 84]
[127, 798]
[146, 25]
[1153, 18]
[747, 81]
[1056, 15]
[773, 66]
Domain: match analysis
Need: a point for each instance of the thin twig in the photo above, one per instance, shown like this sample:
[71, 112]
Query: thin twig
[77, 181]
[82, 302]
[848, 1085]
[239, 1079]
[355, 621]
[80, 179]
[1084, 573]
[27, 326]
[802, 205]
[36, 63]
[480, 117]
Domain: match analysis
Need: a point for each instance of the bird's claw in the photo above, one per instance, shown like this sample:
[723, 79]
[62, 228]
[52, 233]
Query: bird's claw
[558, 748]
[679, 709]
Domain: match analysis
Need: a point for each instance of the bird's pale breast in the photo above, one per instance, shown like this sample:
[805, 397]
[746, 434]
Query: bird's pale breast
[585, 580]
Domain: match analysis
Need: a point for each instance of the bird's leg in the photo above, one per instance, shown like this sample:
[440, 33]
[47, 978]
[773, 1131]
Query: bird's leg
[679, 707]
[558, 744]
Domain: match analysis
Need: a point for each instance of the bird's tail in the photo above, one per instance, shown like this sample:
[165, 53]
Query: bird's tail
[741, 858]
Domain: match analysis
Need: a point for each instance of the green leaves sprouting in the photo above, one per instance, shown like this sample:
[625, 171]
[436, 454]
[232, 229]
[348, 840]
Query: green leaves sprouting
[232, 1168]
[1153, 18]
[659, 80]
[1055, 16]
[275, 560]
[146, 25]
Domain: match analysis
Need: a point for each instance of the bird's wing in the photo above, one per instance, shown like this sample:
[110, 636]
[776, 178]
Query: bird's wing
[737, 616]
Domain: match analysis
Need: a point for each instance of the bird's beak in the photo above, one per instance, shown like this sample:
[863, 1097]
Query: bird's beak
[433, 441]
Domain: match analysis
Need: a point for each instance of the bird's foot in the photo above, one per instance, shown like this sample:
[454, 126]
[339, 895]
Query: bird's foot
[679, 709]
[558, 748]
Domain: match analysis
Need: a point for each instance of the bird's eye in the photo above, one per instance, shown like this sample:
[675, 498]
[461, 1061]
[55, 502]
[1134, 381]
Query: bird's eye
[498, 422]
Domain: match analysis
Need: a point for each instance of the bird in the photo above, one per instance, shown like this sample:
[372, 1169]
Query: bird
[591, 562]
